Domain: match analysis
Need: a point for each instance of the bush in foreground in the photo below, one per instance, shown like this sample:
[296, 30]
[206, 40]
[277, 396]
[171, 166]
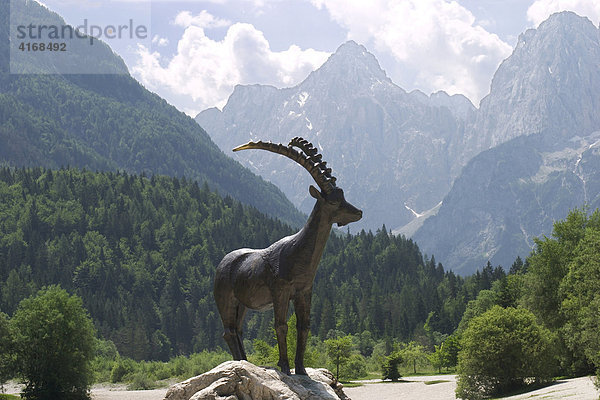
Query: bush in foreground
[54, 343]
[502, 350]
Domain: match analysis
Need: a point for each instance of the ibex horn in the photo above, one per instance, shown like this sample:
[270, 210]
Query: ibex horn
[308, 158]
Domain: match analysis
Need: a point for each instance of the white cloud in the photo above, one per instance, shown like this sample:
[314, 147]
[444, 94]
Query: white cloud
[437, 43]
[540, 10]
[160, 41]
[206, 71]
[202, 20]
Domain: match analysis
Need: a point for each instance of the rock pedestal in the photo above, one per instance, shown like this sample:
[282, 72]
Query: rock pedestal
[241, 380]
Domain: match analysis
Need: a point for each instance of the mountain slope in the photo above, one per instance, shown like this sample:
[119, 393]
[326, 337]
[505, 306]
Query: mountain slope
[509, 195]
[546, 97]
[110, 122]
[391, 150]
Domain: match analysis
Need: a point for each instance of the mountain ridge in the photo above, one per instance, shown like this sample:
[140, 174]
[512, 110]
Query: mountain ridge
[351, 106]
[111, 122]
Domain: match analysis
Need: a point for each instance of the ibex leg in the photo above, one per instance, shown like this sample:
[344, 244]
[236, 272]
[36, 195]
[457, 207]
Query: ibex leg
[280, 308]
[302, 309]
[241, 312]
[232, 314]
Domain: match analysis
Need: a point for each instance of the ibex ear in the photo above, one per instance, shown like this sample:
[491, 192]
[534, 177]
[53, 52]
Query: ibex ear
[314, 192]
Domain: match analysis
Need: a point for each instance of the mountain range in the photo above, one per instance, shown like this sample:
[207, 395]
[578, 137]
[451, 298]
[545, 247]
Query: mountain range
[395, 153]
[496, 176]
[110, 122]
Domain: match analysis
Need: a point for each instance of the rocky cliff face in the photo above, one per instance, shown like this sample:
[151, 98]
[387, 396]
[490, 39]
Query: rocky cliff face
[509, 195]
[392, 151]
[545, 106]
[549, 84]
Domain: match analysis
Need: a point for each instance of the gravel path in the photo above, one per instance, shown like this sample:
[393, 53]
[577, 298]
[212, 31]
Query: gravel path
[115, 393]
[415, 388]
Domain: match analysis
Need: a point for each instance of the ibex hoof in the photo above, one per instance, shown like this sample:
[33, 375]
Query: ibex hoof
[300, 371]
[285, 368]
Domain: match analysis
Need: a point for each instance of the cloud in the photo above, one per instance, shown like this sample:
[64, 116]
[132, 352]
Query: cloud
[205, 71]
[540, 10]
[202, 20]
[160, 41]
[437, 44]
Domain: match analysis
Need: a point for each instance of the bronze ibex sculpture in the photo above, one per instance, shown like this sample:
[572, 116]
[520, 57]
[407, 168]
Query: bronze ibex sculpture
[271, 277]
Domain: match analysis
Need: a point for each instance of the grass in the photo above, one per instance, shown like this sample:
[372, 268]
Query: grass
[350, 384]
[9, 397]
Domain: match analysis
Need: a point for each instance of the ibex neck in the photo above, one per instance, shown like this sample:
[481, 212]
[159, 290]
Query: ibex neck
[314, 235]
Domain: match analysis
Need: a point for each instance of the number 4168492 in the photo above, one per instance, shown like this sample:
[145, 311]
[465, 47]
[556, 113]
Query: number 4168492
[29, 46]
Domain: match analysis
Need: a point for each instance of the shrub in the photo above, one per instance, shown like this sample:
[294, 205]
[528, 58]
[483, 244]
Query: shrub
[141, 381]
[503, 349]
[355, 367]
[54, 343]
[122, 367]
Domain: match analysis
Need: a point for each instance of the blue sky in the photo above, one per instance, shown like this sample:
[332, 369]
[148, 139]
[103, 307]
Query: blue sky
[197, 51]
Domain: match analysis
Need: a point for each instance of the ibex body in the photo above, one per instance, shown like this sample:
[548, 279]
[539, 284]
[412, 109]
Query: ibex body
[271, 277]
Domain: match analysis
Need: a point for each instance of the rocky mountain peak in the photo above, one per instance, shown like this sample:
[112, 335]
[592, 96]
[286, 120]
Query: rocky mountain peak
[546, 85]
[559, 46]
[352, 64]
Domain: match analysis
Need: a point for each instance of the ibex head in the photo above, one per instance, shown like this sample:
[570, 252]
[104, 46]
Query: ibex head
[330, 197]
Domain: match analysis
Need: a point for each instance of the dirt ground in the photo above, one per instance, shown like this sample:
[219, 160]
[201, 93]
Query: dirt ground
[440, 387]
[415, 387]
[102, 392]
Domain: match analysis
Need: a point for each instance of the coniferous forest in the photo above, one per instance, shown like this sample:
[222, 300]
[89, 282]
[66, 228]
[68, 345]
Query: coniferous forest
[141, 251]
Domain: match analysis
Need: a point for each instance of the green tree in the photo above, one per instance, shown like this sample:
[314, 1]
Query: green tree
[559, 288]
[6, 353]
[339, 350]
[451, 349]
[390, 367]
[485, 300]
[413, 354]
[54, 345]
[438, 357]
[549, 264]
[503, 349]
[141, 251]
[581, 299]
[263, 354]
[355, 367]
